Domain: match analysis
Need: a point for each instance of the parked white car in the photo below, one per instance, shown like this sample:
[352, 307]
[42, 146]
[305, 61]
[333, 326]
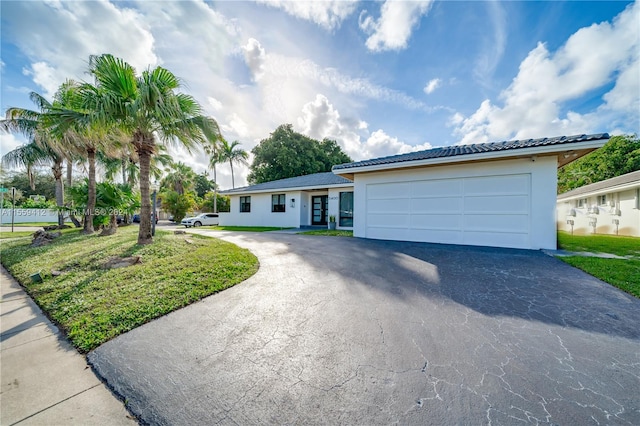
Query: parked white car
[201, 219]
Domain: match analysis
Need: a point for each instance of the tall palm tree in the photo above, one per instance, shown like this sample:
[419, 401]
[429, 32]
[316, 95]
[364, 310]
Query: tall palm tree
[233, 154]
[211, 147]
[180, 178]
[42, 148]
[144, 107]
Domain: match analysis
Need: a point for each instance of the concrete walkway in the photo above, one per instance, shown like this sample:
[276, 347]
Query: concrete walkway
[45, 381]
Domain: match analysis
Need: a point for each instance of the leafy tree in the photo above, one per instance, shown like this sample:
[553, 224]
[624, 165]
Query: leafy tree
[620, 155]
[45, 184]
[180, 179]
[223, 202]
[145, 107]
[177, 204]
[288, 154]
[233, 154]
[203, 184]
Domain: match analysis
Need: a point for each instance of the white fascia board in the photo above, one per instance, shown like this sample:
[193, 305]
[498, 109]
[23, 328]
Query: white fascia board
[608, 190]
[296, 188]
[497, 155]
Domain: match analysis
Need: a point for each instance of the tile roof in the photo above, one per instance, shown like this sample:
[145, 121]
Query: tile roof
[633, 177]
[307, 181]
[457, 150]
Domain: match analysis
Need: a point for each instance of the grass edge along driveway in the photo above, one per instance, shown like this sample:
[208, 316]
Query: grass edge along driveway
[621, 273]
[92, 305]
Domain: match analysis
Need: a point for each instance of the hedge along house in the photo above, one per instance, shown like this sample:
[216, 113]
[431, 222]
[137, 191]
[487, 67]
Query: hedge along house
[611, 207]
[292, 203]
[499, 194]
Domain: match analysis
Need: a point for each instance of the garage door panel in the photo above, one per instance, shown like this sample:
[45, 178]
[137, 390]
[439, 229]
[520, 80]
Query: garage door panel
[389, 190]
[389, 206]
[436, 221]
[498, 185]
[497, 204]
[437, 188]
[437, 205]
[388, 220]
[496, 239]
[496, 223]
[437, 235]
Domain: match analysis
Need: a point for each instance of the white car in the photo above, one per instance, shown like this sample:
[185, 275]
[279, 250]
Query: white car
[201, 219]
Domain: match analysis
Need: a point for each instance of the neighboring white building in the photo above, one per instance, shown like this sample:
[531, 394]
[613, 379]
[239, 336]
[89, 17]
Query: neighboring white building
[611, 206]
[499, 194]
[292, 203]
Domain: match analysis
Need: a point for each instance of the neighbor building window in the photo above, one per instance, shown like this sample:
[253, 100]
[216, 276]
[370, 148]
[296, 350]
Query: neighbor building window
[278, 203]
[245, 204]
[602, 200]
[346, 209]
[582, 202]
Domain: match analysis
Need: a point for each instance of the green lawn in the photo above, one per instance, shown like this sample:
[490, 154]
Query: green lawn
[17, 233]
[92, 304]
[329, 232]
[16, 225]
[622, 273]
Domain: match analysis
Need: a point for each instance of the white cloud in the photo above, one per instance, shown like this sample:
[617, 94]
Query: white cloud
[90, 28]
[9, 142]
[590, 59]
[215, 104]
[432, 85]
[254, 56]
[393, 29]
[328, 14]
[493, 44]
[320, 119]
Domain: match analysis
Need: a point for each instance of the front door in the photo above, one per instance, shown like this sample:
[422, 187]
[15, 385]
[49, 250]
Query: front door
[319, 210]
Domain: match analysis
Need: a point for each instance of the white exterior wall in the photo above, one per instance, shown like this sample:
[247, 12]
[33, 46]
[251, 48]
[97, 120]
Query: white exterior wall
[626, 204]
[542, 195]
[261, 214]
[29, 215]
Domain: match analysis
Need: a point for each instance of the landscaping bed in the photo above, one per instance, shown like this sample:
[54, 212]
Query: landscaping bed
[92, 303]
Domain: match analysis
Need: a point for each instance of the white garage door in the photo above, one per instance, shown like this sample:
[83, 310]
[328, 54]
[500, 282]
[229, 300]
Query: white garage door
[487, 210]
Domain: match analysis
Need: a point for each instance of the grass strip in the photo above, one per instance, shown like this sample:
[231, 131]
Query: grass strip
[329, 232]
[92, 304]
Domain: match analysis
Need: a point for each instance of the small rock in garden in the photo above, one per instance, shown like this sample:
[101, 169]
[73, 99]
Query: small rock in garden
[179, 232]
[122, 262]
[42, 238]
[56, 273]
[188, 241]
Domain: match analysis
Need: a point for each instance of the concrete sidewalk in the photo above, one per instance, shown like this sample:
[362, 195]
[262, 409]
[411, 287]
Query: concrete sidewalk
[45, 381]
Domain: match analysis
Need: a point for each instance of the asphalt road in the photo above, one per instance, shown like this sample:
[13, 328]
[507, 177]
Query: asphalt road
[348, 331]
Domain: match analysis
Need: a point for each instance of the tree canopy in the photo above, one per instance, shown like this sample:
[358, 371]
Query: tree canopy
[617, 157]
[287, 153]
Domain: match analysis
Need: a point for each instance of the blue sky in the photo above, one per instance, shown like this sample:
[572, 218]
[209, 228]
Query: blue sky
[379, 77]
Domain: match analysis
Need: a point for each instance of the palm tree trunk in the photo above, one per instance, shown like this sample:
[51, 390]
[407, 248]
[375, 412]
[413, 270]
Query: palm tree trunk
[145, 150]
[233, 182]
[91, 198]
[57, 174]
[215, 191]
[69, 172]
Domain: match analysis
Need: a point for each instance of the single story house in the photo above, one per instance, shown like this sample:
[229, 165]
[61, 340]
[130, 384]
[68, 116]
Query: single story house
[292, 203]
[611, 206]
[499, 194]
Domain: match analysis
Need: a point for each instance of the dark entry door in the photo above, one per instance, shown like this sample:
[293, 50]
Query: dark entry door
[319, 210]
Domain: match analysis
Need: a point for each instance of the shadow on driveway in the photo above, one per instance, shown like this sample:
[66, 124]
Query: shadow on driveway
[351, 331]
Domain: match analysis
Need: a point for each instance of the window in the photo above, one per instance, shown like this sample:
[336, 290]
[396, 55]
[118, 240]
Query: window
[582, 202]
[346, 209]
[602, 200]
[278, 203]
[245, 204]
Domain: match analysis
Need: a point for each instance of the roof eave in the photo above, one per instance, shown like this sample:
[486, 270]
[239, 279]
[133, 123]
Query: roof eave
[296, 188]
[483, 156]
[607, 190]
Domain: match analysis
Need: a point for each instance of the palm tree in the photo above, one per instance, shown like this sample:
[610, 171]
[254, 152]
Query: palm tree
[180, 179]
[233, 154]
[213, 138]
[42, 149]
[144, 107]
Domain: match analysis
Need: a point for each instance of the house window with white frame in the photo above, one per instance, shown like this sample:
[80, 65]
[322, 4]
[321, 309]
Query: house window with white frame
[602, 200]
[245, 204]
[278, 203]
[581, 203]
[346, 209]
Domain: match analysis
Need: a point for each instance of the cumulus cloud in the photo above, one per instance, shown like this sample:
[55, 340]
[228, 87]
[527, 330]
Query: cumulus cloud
[395, 25]
[432, 85]
[9, 142]
[254, 56]
[328, 14]
[592, 58]
[320, 119]
[90, 28]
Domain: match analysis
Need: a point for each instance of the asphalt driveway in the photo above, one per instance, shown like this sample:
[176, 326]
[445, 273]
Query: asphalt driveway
[348, 331]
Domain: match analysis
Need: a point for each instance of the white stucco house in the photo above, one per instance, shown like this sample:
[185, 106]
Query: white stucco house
[500, 194]
[611, 206]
